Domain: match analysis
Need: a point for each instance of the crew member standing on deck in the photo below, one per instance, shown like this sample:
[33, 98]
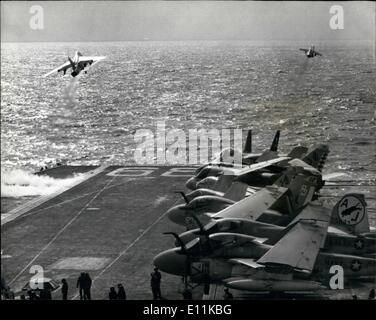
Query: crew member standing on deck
[87, 287]
[155, 283]
[112, 295]
[81, 285]
[64, 289]
[121, 295]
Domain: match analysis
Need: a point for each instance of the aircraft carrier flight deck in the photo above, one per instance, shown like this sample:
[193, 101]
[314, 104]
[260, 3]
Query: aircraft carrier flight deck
[111, 225]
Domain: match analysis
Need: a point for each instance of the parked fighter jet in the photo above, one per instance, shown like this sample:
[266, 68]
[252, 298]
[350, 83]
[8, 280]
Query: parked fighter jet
[78, 64]
[277, 203]
[294, 263]
[311, 52]
[266, 174]
[356, 238]
[226, 157]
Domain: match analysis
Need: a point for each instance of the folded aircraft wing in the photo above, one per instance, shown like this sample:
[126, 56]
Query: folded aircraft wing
[305, 50]
[299, 247]
[313, 212]
[63, 67]
[253, 206]
[318, 53]
[261, 165]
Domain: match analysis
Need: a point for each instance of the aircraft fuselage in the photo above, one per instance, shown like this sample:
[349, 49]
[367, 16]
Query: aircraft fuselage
[339, 243]
[77, 66]
[217, 269]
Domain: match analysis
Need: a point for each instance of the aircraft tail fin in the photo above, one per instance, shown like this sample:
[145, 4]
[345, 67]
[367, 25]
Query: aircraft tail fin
[316, 157]
[248, 143]
[272, 153]
[302, 187]
[350, 214]
[274, 146]
[71, 62]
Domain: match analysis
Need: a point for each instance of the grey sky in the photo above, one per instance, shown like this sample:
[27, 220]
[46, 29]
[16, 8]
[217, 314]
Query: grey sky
[185, 20]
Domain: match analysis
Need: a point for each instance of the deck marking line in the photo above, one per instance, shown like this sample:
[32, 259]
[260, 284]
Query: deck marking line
[126, 249]
[61, 231]
[70, 200]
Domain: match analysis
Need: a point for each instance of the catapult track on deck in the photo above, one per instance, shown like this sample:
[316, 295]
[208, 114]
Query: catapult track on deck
[109, 225]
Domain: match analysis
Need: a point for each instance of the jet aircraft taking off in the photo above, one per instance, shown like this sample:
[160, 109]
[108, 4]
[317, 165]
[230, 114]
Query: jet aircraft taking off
[78, 64]
[311, 52]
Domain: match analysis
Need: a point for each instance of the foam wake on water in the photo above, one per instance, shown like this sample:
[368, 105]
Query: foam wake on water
[20, 183]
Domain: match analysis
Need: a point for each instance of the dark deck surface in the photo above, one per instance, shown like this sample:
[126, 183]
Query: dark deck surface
[110, 225]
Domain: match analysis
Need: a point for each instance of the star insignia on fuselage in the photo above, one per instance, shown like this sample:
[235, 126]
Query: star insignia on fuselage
[355, 265]
[359, 244]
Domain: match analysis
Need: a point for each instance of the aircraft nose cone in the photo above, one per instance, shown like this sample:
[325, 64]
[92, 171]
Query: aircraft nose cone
[191, 183]
[177, 214]
[172, 262]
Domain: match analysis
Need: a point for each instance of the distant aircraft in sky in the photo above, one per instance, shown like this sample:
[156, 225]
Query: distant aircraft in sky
[78, 63]
[311, 52]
